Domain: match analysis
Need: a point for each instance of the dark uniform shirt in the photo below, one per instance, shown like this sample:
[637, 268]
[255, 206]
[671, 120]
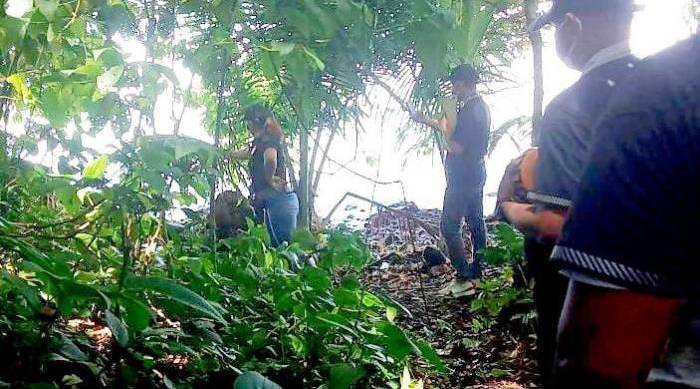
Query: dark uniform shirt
[260, 186]
[467, 169]
[566, 131]
[634, 220]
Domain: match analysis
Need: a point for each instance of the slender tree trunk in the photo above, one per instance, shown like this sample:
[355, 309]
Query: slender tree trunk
[313, 173]
[217, 134]
[536, 41]
[303, 190]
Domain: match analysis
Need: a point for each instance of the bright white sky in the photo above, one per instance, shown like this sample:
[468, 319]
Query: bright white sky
[660, 24]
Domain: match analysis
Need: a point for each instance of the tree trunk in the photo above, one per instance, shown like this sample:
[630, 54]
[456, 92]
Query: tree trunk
[313, 173]
[303, 190]
[536, 41]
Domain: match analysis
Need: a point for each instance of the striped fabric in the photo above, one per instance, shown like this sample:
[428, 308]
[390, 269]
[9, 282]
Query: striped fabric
[608, 269]
[548, 199]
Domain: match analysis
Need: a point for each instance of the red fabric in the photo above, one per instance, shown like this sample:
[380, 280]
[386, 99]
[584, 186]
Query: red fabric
[610, 338]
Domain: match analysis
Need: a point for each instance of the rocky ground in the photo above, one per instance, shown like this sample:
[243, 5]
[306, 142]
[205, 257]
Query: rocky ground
[481, 351]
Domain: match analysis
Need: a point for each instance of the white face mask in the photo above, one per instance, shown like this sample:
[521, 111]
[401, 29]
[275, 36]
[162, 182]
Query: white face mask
[567, 56]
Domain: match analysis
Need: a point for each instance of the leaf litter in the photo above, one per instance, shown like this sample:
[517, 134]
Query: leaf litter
[481, 352]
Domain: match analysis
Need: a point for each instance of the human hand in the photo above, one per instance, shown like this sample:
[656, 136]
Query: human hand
[509, 182]
[278, 184]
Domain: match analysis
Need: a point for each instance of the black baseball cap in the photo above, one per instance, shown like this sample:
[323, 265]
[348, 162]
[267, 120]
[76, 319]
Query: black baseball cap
[561, 7]
[464, 72]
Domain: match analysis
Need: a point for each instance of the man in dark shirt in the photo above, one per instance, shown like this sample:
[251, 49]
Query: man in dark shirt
[466, 174]
[592, 37]
[630, 244]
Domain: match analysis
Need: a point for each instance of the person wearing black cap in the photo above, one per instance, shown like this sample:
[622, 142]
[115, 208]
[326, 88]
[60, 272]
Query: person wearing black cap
[467, 140]
[592, 36]
[630, 245]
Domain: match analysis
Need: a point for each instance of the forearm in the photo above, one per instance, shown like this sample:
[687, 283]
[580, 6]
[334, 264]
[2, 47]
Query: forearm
[543, 224]
[522, 217]
[441, 125]
[270, 169]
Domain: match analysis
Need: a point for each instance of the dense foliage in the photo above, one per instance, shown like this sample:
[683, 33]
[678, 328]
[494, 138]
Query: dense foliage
[92, 251]
[103, 66]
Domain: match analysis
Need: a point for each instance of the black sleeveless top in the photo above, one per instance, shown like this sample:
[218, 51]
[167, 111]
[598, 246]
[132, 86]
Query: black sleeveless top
[260, 187]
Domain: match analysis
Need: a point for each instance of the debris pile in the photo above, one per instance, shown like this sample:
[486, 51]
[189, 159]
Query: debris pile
[403, 229]
[401, 236]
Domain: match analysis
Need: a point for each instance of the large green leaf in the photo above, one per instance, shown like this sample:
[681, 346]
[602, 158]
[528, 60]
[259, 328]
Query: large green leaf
[48, 8]
[119, 331]
[173, 290]
[96, 169]
[428, 353]
[68, 349]
[12, 31]
[109, 78]
[253, 380]
[394, 339]
[56, 102]
[344, 375]
[137, 314]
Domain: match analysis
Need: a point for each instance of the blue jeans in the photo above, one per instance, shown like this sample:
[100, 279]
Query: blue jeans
[280, 212]
[464, 203]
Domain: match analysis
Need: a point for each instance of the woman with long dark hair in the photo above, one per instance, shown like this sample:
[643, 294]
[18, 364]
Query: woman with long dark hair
[273, 199]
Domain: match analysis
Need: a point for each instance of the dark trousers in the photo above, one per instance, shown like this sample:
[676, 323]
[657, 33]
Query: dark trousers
[549, 293]
[279, 212]
[464, 202]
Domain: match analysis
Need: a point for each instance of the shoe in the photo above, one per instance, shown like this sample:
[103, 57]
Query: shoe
[460, 288]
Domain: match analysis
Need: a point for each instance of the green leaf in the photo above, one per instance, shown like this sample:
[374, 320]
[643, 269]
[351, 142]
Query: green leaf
[96, 169]
[186, 146]
[397, 344]
[90, 69]
[109, 78]
[428, 353]
[50, 34]
[69, 198]
[177, 292]
[391, 313]
[498, 373]
[317, 278]
[68, 349]
[119, 331]
[48, 8]
[298, 345]
[138, 315]
[56, 103]
[369, 300]
[345, 297]
[317, 61]
[305, 239]
[253, 380]
[284, 48]
[108, 56]
[12, 31]
[335, 320]
[19, 84]
[344, 375]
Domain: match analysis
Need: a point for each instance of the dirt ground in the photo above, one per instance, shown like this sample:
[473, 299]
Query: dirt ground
[497, 354]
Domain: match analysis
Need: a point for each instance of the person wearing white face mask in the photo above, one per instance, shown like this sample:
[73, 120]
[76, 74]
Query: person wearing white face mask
[592, 36]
